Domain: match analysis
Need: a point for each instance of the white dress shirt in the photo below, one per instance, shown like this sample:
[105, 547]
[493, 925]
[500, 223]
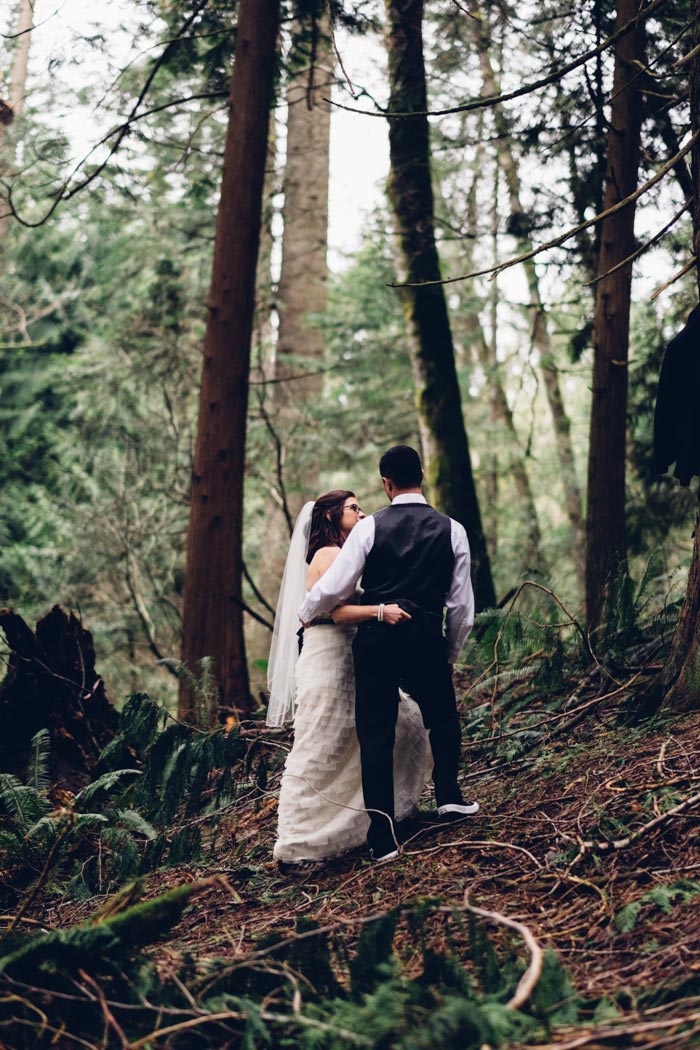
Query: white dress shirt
[339, 582]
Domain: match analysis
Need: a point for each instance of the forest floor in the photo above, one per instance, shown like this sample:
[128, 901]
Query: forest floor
[587, 838]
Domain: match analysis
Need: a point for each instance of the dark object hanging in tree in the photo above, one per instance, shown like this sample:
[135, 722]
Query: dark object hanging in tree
[51, 683]
[677, 414]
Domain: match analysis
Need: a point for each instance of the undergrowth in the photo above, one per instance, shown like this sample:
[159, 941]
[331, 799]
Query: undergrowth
[167, 798]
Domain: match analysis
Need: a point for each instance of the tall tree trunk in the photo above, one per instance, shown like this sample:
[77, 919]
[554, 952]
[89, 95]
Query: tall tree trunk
[444, 438]
[681, 679]
[605, 524]
[213, 614]
[11, 107]
[541, 339]
[304, 274]
[302, 294]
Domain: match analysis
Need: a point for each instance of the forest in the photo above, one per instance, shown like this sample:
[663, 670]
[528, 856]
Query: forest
[246, 246]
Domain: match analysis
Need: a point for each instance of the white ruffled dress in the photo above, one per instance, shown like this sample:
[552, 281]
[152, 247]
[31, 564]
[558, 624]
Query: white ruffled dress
[321, 811]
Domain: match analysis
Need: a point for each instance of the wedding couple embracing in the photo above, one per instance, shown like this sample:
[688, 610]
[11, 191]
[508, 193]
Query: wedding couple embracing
[371, 693]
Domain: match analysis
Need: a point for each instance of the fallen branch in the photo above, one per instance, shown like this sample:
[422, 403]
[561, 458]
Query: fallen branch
[528, 981]
[474, 844]
[611, 1032]
[649, 826]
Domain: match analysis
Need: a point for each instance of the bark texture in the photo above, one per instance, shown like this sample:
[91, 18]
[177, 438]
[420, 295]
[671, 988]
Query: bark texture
[541, 338]
[212, 613]
[681, 679]
[11, 106]
[444, 438]
[605, 524]
[302, 295]
[304, 273]
[52, 683]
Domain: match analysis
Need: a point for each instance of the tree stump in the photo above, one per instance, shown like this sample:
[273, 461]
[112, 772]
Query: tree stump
[51, 683]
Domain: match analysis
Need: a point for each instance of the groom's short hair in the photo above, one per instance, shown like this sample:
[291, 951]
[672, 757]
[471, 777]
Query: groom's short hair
[402, 465]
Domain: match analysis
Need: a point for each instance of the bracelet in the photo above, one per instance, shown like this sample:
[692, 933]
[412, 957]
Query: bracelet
[380, 613]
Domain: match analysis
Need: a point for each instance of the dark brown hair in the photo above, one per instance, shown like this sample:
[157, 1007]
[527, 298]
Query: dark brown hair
[325, 521]
[401, 464]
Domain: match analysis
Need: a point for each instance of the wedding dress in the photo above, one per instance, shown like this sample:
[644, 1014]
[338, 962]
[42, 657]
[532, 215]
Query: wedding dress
[321, 810]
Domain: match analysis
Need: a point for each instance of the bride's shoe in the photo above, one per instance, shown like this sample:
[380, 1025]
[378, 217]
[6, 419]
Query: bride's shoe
[299, 867]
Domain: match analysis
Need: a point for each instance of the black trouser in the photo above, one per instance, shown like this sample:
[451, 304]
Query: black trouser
[412, 655]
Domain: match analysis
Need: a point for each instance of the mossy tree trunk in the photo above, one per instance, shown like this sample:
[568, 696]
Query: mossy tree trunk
[605, 523]
[444, 438]
[213, 612]
[681, 679]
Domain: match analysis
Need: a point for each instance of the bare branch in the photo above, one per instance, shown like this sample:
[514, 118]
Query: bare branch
[528, 981]
[526, 89]
[643, 247]
[556, 241]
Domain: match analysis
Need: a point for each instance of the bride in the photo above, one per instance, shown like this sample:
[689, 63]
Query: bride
[321, 812]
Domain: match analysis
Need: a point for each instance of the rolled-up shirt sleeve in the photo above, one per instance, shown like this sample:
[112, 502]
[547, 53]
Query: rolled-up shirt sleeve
[341, 579]
[460, 597]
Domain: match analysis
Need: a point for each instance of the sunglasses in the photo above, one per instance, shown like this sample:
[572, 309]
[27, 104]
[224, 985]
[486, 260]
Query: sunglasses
[353, 506]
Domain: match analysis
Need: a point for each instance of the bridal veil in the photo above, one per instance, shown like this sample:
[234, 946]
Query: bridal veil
[284, 651]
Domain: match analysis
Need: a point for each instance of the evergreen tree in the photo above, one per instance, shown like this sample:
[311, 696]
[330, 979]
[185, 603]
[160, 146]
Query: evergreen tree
[213, 613]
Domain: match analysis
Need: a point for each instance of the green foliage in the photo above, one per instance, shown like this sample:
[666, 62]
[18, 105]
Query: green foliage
[554, 1000]
[374, 953]
[664, 897]
[203, 687]
[122, 822]
[38, 763]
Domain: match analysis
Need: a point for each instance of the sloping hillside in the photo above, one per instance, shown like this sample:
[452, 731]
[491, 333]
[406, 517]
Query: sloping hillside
[562, 915]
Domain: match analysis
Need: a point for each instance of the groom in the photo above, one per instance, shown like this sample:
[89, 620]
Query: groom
[410, 554]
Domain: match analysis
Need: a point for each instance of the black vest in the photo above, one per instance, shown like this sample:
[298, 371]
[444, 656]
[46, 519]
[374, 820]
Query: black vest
[411, 557]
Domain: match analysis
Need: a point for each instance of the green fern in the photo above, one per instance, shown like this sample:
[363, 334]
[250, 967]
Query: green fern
[38, 764]
[23, 804]
[103, 785]
[134, 822]
[663, 896]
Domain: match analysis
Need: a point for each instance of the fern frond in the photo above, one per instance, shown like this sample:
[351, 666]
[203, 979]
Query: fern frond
[10, 848]
[86, 820]
[25, 805]
[38, 766]
[139, 720]
[507, 676]
[124, 857]
[42, 835]
[134, 822]
[104, 783]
